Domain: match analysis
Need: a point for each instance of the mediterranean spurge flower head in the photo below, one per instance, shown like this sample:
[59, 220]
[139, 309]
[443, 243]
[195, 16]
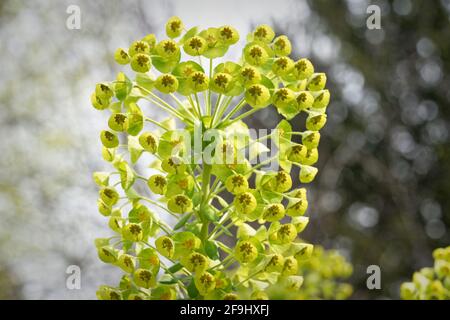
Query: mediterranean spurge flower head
[175, 190]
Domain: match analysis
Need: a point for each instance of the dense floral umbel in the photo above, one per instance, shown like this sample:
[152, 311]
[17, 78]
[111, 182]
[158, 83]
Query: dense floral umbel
[170, 224]
[431, 283]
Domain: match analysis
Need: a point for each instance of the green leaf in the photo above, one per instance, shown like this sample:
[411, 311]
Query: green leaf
[245, 231]
[271, 197]
[122, 86]
[176, 267]
[212, 250]
[165, 65]
[101, 178]
[183, 221]
[289, 111]
[209, 214]
[189, 34]
[192, 290]
[135, 148]
[132, 194]
[215, 52]
[127, 177]
[144, 80]
[257, 148]
[101, 242]
[267, 82]
[115, 107]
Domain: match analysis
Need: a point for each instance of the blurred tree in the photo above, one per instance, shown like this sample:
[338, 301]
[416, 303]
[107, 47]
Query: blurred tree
[384, 185]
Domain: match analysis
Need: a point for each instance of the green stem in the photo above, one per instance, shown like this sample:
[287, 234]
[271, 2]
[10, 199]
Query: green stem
[206, 176]
[235, 109]
[240, 117]
[156, 123]
[181, 105]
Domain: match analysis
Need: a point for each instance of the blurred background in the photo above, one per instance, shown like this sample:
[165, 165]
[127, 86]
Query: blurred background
[382, 195]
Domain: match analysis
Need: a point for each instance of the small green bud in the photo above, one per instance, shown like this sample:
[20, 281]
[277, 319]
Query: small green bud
[300, 223]
[98, 103]
[275, 263]
[118, 122]
[198, 81]
[304, 100]
[322, 100]
[116, 223]
[256, 55]
[121, 56]
[307, 173]
[150, 39]
[317, 81]
[281, 182]
[297, 153]
[312, 156]
[136, 296]
[303, 251]
[273, 212]
[103, 91]
[174, 27]
[168, 49]
[408, 291]
[236, 184]
[311, 139]
[195, 262]
[264, 33]
[259, 295]
[103, 208]
[165, 246]
[173, 165]
[204, 282]
[257, 95]
[282, 66]
[303, 69]
[108, 293]
[126, 262]
[245, 203]
[290, 266]
[166, 83]
[221, 82]
[282, 97]
[245, 252]
[287, 233]
[132, 232]
[316, 122]
[180, 204]
[297, 209]
[249, 75]
[107, 254]
[157, 184]
[195, 46]
[293, 282]
[282, 46]
[148, 141]
[109, 196]
[164, 292]
[144, 278]
[139, 47]
[230, 296]
[141, 63]
[109, 139]
[228, 35]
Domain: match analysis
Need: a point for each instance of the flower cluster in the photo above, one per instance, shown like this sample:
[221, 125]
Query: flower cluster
[430, 283]
[175, 246]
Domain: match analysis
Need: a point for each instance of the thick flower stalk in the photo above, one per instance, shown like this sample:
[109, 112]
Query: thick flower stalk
[431, 283]
[211, 220]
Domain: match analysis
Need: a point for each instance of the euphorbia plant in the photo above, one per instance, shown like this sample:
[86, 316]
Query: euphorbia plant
[174, 223]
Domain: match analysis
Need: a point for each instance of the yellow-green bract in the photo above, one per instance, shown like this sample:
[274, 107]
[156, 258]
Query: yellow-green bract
[170, 221]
